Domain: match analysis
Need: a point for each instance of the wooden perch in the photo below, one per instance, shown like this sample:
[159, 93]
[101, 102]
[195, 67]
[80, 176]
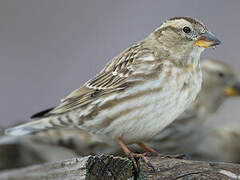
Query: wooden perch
[90, 167]
[109, 167]
[187, 169]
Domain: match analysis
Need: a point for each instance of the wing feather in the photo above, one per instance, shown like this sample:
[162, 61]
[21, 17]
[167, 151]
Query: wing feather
[113, 77]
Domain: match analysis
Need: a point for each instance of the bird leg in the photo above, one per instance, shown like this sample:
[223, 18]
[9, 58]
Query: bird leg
[152, 152]
[149, 151]
[132, 155]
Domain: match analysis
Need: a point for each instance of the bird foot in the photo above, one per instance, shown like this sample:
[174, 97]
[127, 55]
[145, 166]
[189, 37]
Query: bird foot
[152, 154]
[133, 156]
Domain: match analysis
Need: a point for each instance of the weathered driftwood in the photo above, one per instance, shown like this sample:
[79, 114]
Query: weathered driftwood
[187, 169]
[109, 167]
[90, 167]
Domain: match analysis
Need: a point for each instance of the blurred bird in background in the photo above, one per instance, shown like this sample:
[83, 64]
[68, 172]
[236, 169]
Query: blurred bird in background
[139, 92]
[222, 143]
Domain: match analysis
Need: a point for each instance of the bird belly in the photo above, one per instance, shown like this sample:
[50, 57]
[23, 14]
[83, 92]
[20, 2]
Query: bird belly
[148, 108]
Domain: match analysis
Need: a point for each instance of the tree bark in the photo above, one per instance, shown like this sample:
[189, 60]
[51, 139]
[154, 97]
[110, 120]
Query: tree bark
[111, 168]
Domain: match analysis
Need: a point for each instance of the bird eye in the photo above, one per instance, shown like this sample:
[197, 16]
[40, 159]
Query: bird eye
[220, 74]
[187, 29]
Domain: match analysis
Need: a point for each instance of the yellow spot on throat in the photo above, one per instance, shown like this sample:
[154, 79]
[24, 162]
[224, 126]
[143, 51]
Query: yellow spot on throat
[190, 66]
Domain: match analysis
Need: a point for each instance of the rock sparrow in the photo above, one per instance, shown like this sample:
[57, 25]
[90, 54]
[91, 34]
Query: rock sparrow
[139, 92]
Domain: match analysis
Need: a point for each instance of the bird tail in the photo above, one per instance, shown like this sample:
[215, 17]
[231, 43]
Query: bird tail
[4, 140]
[30, 127]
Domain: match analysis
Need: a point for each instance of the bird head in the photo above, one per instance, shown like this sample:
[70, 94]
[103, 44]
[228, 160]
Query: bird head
[184, 38]
[186, 30]
[219, 82]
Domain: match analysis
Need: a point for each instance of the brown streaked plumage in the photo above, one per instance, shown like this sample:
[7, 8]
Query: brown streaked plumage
[166, 61]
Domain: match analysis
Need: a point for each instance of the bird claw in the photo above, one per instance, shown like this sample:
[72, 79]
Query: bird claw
[152, 154]
[133, 156]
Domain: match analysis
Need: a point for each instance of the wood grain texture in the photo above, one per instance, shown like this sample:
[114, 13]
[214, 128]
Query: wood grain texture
[118, 168]
[179, 169]
[90, 167]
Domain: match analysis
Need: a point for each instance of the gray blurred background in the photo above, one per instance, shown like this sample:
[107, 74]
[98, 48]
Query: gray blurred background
[50, 47]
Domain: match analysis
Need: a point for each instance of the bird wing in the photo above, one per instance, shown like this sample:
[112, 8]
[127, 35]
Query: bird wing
[116, 75]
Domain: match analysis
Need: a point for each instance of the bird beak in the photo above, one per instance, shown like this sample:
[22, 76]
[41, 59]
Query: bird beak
[232, 90]
[207, 39]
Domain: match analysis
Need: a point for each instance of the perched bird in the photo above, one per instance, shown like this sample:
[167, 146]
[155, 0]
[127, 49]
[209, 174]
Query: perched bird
[184, 134]
[139, 92]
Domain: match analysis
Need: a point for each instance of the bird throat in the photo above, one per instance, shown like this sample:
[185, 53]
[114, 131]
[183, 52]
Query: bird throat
[188, 58]
[193, 57]
[184, 54]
